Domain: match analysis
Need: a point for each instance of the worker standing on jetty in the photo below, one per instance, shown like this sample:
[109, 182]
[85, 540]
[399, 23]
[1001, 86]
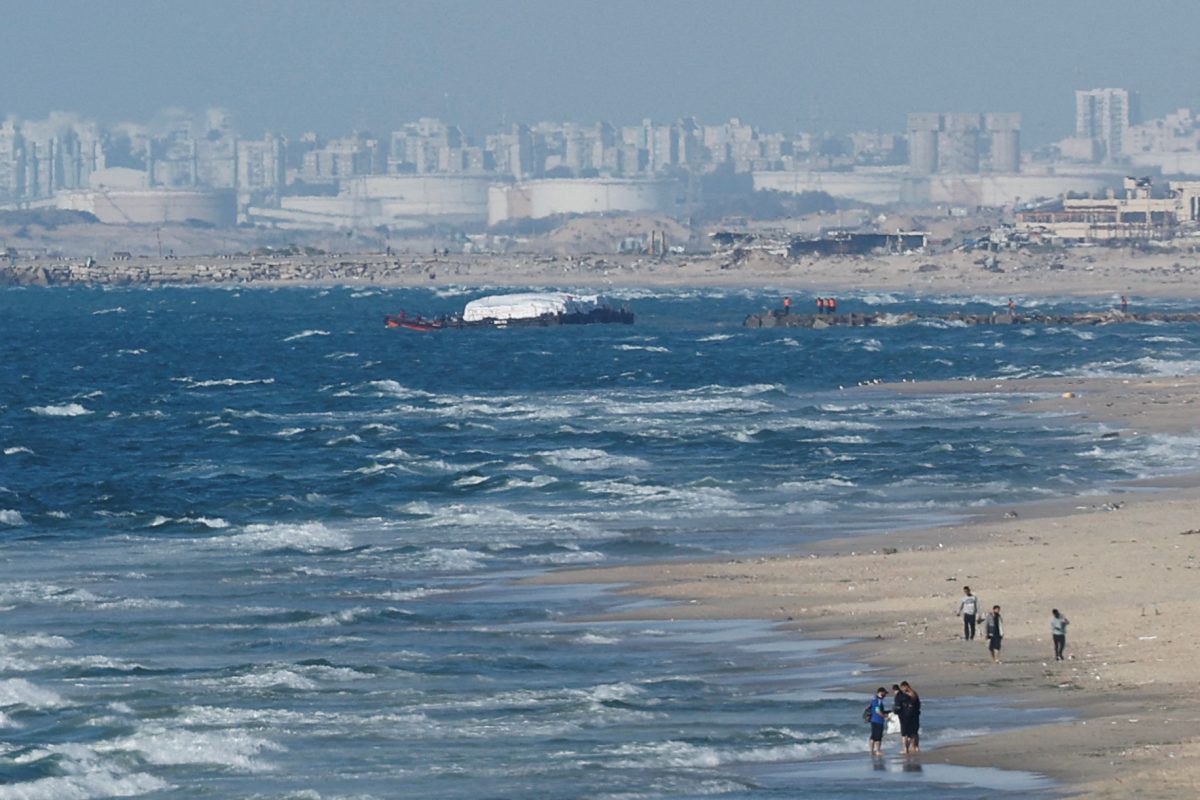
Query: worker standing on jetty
[787, 305]
[820, 305]
[1012, 307]
[831, 304]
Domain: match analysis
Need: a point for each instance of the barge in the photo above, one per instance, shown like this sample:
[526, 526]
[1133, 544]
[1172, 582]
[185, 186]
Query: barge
[527, 309]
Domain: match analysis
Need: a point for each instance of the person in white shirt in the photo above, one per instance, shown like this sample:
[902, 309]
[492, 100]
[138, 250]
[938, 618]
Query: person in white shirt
[968, 607]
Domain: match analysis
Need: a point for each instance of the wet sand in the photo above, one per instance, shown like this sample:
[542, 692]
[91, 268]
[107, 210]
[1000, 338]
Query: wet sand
[1123, 567]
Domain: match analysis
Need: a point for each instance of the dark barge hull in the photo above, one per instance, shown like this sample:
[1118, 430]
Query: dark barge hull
[594, 317]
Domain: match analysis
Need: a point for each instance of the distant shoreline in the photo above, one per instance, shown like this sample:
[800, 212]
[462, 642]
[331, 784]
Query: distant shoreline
[1088, 272]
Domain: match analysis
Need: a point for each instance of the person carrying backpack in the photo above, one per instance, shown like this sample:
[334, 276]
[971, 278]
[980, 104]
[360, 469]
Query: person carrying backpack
[879, 716]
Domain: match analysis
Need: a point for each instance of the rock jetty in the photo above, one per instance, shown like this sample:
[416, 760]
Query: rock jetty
[781, 319]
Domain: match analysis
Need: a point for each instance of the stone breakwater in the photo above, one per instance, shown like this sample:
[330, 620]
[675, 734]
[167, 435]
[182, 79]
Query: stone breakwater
[780, 319]
[331, 269]
[177, 272]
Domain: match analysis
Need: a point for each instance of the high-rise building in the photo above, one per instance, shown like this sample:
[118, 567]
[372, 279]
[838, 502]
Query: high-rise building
[1105, 116]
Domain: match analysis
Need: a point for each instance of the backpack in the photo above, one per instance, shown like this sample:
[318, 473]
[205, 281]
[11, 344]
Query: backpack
[867, 714]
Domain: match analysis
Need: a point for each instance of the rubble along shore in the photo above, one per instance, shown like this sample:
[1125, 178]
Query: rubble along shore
[1109, 273]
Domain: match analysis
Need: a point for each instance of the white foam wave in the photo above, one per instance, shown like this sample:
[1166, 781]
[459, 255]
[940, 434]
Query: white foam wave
[306, 334]
[716, 337]
[307, 537]
[584, 459]
[11, 517]
[134, 352]
[230, 749]
[195, 384]
[12, 451]
[34, 640]
[677, 754]
[116, 310]
[66, 410]
[20, 692]
[649, 348]
[86, 779]
[397, 390]
[564, 557]
[289, 432]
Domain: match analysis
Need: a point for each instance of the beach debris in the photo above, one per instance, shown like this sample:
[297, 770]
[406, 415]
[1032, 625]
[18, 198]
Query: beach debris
[1069, 395]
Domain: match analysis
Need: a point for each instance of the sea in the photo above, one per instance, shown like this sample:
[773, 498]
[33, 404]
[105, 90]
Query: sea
[256, 545]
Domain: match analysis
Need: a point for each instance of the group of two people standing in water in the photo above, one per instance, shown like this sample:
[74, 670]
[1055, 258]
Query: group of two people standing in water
[907, 708]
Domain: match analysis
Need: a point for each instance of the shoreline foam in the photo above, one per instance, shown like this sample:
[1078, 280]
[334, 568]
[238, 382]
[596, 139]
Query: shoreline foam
[1122, 566]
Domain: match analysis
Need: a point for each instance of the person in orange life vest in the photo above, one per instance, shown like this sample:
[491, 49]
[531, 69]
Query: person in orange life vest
[787, 305]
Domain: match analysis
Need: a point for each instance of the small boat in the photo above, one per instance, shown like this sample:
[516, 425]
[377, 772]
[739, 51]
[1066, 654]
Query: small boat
[537, 309]
[418, 323]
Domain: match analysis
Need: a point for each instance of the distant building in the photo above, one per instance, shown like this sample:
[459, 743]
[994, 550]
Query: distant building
[1104, 116]
[960, 143]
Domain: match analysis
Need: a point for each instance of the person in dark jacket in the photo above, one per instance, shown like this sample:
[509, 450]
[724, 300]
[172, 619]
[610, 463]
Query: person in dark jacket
[910, 717]
[995, 633]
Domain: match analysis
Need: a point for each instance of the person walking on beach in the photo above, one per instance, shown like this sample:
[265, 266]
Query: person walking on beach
[995, 633]
[910, 717]
[879, 716]
[1058, 629]
[968, 608]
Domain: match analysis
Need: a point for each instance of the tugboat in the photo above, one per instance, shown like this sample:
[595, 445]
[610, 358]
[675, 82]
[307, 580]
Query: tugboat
[539, 309]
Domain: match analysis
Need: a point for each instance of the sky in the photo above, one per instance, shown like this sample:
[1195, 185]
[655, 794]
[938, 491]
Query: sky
[370, 65]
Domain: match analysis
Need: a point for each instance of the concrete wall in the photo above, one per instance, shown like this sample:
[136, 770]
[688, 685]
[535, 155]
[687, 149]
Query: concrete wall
[875, 188]
[965, 190]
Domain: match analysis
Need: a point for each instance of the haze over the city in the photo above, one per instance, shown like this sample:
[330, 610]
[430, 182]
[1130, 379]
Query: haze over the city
[361, 64]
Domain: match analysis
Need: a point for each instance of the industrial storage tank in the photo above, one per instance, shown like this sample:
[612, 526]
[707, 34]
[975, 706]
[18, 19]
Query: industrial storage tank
[450, 198]
[547, 198]
[153, 206]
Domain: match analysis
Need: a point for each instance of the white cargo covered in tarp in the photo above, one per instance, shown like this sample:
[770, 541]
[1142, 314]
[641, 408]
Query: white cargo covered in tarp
[530, 306]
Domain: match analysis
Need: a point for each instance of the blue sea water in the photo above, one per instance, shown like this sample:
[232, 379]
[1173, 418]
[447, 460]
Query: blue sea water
[256, 545]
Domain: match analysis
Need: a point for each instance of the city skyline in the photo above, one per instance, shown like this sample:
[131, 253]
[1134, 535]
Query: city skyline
[364, 65]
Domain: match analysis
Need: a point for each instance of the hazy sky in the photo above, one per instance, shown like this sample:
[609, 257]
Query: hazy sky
[838, 65]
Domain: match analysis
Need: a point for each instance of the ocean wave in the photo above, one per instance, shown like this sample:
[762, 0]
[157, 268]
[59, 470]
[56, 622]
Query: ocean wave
[65, 410]
[649, 348]
[20, 692]
[685, 755]
[87, 777]
[194, 384]
[11, 517]
[716, 337]
[164, 746]
[308, 537]
[396, 389]
[306, 334]
[138, 351]
[116, 310]
[586, 459]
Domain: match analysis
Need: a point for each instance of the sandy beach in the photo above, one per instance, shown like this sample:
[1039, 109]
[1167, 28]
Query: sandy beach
[1123, 567]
